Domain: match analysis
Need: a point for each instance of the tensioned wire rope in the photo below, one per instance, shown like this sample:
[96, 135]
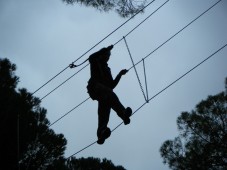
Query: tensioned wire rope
[168, 86]
[144, 57]
[113, 44]
[141, 10]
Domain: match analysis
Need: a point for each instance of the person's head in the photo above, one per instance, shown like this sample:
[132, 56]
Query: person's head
[105, 53]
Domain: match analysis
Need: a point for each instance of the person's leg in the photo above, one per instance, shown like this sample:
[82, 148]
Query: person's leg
[106, 94]
[116, 104]
[122, 112]
[103, 116]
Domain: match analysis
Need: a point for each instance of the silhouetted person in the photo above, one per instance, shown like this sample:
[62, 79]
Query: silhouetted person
[100, 87]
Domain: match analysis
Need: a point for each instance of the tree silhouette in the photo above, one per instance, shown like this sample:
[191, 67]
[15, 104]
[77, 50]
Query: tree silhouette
[124, 8]
[24, 126]
[92, 164]
[8, 124]
[202, 143]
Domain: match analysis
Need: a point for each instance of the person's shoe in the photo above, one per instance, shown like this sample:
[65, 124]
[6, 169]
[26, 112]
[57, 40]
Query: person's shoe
[104, 135]
[127, 114]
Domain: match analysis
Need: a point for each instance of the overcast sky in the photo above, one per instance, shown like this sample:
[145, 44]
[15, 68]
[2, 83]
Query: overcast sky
[43, 37]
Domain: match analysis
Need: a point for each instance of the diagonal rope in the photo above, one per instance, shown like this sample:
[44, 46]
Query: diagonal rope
[63, 82]
[145, 78]
[141, 87]
[142, 21]
[163, 42]
[168, 86]
[175, 35]
[68, 112]
[94, 46]
[114, 44]
[178, 32]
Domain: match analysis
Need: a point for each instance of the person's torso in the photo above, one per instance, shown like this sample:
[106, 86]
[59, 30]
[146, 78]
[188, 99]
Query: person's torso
[101, 73]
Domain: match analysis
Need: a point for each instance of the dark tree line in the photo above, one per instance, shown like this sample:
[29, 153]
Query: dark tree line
[26, 136]
[26, 139]
[202, 143]
[89, 163]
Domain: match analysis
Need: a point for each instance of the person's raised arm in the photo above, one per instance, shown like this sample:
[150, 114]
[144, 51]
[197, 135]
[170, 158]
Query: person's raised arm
[118, 77]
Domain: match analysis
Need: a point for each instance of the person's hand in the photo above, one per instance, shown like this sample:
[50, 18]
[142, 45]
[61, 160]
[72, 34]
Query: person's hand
[110, 47]
[123, 72]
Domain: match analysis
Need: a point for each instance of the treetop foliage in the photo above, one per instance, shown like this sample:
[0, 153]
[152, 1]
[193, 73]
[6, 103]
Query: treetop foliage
[124, 8]
[202, 142]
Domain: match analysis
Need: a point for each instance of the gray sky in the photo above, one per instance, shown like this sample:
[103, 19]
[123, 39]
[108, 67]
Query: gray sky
[43, 37]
